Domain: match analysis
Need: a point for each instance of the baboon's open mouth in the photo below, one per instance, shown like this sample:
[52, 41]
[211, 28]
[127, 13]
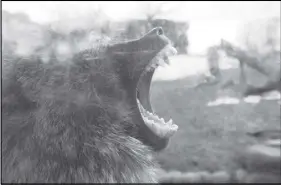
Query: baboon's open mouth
[156, 124]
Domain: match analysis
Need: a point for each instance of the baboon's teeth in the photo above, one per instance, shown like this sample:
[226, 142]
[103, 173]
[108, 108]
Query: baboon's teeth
[154, 65]
[170, 122]
[171, 50]
[162, 62]
[156, 124]
[167, 61]
[168, 50]
[162, 58]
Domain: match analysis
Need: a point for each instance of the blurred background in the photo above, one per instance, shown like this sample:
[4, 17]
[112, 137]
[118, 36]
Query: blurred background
[212, 121]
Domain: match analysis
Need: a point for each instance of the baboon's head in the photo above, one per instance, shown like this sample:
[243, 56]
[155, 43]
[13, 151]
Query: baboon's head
[135, 63]
[96, 104]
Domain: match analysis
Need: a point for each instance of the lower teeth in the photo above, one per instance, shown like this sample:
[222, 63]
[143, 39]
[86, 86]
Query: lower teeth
[158, 125]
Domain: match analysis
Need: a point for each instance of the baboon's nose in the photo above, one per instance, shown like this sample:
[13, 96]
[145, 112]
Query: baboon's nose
[160, 31]
[156, 31]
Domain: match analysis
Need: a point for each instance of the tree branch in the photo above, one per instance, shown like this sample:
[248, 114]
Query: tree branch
[244, 57]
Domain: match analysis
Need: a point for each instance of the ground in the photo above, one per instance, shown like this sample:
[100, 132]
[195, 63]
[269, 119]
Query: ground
[207, 136]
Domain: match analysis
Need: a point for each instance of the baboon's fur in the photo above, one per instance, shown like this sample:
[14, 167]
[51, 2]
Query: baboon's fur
[71, 122]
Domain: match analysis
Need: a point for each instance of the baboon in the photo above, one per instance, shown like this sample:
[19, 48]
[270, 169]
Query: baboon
[88, 119]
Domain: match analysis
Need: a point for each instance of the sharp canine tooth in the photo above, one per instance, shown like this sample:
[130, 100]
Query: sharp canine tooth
[170, 122]
[167, 51]
[145, 119]
[147, 68]
[150, 122]
[154, 64]
[153, 126]
[172, 50]
[172, 131]
[156, 116]
[155, 61]
[161, 62]
[167, 61]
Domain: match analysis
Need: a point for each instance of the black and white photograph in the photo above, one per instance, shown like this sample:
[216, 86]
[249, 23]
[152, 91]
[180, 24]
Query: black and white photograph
[140, 92]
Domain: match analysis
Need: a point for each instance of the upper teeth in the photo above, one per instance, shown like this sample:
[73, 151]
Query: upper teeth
[172, 50]
[156, 124]
[162, 63]
[168, 51]
[158, 60]
[170, 122]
